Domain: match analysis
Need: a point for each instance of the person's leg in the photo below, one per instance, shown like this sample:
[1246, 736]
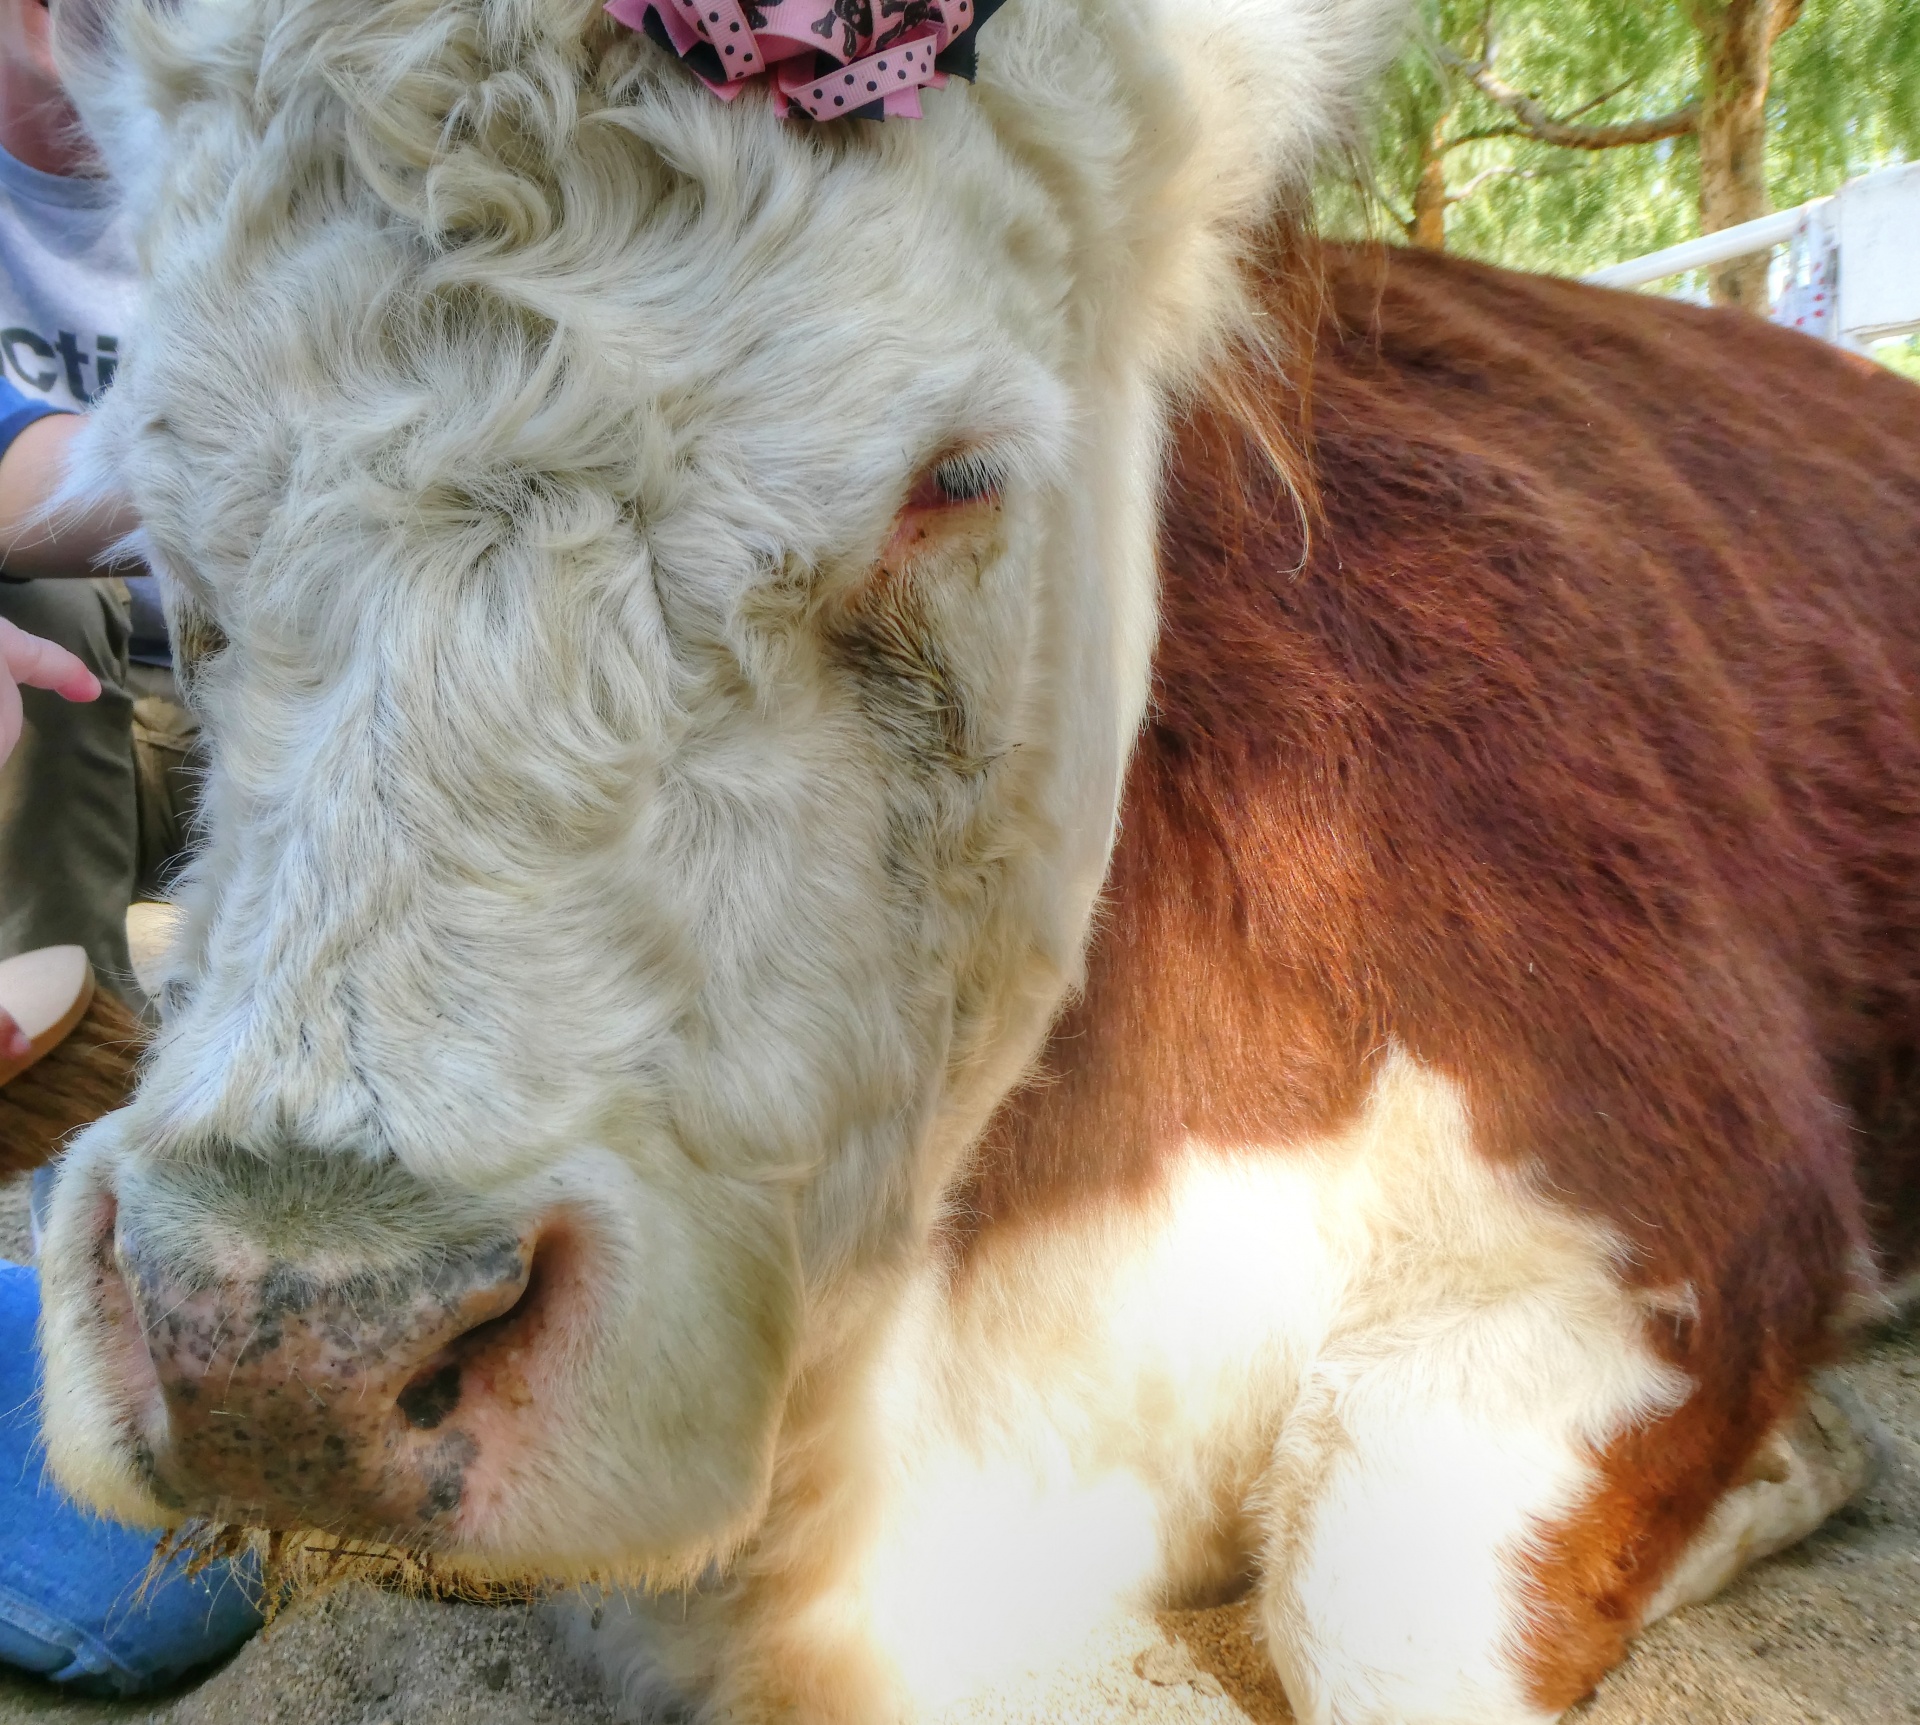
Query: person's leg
[69, 831]
[75, 1601]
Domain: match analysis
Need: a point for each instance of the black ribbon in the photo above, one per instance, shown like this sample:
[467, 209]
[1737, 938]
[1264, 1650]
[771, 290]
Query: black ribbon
[959, 56]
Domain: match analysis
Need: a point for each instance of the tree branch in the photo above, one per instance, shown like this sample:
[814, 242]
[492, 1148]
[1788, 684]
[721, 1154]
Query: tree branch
[1480, 179]
[1568, 134]
[1600, 101]
[1490, 132]
[1505, 171]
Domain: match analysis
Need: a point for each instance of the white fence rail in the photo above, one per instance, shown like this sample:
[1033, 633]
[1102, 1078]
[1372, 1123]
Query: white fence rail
[1852, 271]
[1703, 253]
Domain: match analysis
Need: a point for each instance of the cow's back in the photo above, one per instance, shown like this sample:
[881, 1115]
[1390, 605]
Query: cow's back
[1577, 756]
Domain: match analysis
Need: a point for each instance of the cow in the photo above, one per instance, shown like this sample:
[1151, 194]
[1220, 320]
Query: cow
[944, 885]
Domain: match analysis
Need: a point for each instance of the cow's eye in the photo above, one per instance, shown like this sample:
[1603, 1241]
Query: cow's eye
[959, 479]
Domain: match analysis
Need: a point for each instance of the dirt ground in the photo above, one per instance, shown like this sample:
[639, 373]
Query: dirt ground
[1827, 1634]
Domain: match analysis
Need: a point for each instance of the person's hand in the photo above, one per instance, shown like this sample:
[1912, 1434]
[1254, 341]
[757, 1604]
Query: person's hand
[26, 659]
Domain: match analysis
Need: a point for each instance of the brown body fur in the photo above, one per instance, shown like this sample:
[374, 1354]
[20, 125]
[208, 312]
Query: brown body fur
[1580, 759]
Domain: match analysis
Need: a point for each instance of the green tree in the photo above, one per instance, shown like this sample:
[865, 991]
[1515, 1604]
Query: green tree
[1563, 134]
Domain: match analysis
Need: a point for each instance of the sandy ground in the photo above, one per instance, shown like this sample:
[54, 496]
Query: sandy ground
[1827, 1634]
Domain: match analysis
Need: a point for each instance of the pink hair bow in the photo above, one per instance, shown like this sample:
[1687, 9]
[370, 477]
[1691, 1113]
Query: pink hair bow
[832, 59]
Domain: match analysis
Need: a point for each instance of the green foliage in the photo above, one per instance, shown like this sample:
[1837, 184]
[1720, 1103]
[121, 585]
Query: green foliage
[1901, 355]
[1845, 97]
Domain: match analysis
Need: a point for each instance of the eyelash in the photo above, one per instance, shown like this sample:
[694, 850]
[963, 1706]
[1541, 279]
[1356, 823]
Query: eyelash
[959, 480]
[967, 479]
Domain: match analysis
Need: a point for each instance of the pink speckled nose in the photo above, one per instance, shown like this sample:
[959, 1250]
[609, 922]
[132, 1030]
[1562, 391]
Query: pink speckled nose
[360, 1404]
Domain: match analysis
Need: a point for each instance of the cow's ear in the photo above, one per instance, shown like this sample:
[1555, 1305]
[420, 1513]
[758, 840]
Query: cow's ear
[91, 48]
[87, 40]
[82, 30]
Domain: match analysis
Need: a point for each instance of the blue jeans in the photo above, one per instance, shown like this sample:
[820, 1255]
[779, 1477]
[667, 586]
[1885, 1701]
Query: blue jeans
[71, 1604]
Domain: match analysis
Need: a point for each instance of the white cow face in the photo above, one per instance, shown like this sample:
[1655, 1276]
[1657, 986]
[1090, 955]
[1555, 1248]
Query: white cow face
[667, 590]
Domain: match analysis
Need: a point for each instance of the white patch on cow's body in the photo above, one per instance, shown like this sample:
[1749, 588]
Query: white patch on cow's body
[1363, 1372]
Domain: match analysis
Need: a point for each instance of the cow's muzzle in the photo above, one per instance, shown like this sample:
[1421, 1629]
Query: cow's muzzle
[390, 1403]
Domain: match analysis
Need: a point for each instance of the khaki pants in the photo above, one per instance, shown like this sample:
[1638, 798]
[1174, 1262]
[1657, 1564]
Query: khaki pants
[96, 802]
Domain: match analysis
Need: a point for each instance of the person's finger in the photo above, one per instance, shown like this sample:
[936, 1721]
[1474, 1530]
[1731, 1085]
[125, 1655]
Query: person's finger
[42, 665]
[15, 1044]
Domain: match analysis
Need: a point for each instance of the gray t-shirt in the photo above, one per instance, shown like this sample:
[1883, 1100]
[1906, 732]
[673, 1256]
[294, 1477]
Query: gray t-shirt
[67, 283]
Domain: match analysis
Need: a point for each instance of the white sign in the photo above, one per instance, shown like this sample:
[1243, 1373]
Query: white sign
[1878, 223]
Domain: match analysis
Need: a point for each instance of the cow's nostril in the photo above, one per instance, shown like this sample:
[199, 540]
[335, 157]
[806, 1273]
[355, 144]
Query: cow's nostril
[480, 1359]
[431, 1396]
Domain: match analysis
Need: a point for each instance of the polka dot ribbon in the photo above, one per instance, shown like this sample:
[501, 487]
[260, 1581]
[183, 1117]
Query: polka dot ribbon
[831, 59]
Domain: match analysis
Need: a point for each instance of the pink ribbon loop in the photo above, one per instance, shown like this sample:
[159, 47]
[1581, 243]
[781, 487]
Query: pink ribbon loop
[831, 59]
[907, 66]
[722, 24]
